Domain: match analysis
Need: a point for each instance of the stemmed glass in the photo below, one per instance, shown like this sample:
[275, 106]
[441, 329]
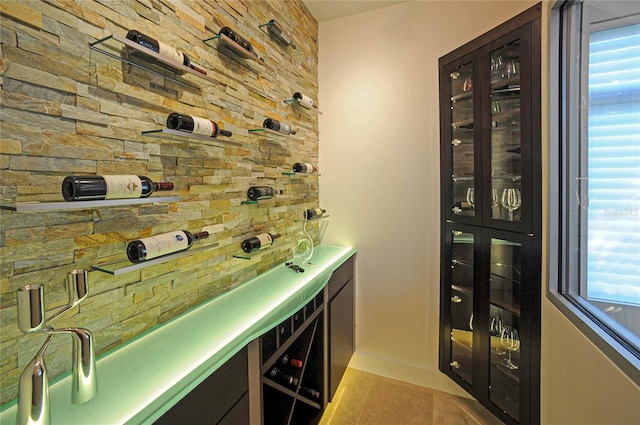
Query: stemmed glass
[495, 329]
[511, 341]
[511, 69]
[467, 85]
[470, 197]
[511, 200]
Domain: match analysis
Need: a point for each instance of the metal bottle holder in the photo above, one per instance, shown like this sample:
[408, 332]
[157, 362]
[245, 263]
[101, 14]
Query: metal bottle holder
[33, 394]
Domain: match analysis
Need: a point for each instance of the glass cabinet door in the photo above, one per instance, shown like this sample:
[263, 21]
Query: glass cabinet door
[506, 142]
[462, 271]
[505, 279]
[462, 141]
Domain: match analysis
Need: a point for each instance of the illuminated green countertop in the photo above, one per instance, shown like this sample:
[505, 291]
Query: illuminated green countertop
[141, 380]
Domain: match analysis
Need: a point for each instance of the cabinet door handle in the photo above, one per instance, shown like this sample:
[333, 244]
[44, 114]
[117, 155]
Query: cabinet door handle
[454, 364]
[456, 299]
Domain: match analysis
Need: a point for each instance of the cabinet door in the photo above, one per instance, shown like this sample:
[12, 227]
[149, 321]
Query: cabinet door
[341, 334]
[459, 128]
[460, 302]
[507, 142]
[513, 269]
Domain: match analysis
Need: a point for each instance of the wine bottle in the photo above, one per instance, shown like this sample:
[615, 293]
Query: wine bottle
[310, 392]
[290, 361]
[239, 40]
[195, 125]
[167, 243]
[255, 193]
[158, 47]
[303, 100]
[261, 241]
[314, 213]
[517, 150]
[278, 126]
[90, 188]
[278, 375]
[278, 32]
[300, 167]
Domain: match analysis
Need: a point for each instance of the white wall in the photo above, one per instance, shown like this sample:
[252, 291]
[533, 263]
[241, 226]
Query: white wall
[379, 159]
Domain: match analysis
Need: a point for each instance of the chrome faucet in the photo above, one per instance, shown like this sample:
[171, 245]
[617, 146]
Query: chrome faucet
[33, 393]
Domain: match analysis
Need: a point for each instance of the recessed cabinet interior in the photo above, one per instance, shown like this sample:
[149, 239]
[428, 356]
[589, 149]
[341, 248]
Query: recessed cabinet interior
[491, 218]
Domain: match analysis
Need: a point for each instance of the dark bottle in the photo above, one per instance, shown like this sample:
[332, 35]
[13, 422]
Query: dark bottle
[278, 32]
[516, 150]
[302, 167]
[290, 361]
[255, 193]
[278, 375]
[314, 213]
[195, 125]
[278, 126]
[167, 243]
[310, 392]
[303, 100]
[91, 188]
[261, 241]
[158, 47]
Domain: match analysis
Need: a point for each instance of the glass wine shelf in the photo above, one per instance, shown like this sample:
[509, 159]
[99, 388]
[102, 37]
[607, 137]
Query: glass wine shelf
[512, 178]
[238, 49]
[462, 96]
[167, 64]
[181, 136]
[266, 201]
[254, 254]
[293, 173]
[122, 266]
[510, 307]
[311, 220]
[268, 131]
[85, 205]
[301, 105]
[508, 83]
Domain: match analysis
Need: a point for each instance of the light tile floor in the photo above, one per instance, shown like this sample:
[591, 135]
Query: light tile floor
[363, 398]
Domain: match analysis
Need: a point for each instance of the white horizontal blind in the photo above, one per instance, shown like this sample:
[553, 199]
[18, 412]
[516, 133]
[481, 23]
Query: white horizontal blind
[613, 228]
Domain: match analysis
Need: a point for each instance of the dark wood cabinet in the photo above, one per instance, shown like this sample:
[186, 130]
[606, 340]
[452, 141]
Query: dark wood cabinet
[222, 398]
[341, 289]
[491, 217]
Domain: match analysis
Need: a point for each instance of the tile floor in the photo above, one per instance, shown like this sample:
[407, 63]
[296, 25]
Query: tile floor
[363, 398]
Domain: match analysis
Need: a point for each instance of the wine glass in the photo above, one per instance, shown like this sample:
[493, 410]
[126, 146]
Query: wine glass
[511, 200]
[511, 69]
[470, 197]
[467, 85]
[495, 107]
[496, 66]
[511, 341]
[495, 329]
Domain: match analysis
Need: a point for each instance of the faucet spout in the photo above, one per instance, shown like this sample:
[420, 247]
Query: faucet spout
[33, 392]
[84, 379]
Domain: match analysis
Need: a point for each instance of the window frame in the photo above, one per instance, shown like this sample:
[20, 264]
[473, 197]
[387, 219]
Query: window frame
[563, 124]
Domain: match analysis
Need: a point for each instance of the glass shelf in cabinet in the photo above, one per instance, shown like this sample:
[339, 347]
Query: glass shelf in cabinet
[496, 359]
[301, 105]
[462, 338]
[85, 205]
[462, 125]
[122, 266]
[462, 238]
[166, 63]
[268, 131]
[461, 263]
[457, 142]
[507, 83]
[512, 178]
[238, 49]
[181, 136]
[504, 278]
[462, 96]
[467, 290]
[510, 307]
[461, 178]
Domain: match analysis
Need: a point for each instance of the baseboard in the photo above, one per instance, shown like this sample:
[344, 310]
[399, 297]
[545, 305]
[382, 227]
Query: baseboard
[411, 373]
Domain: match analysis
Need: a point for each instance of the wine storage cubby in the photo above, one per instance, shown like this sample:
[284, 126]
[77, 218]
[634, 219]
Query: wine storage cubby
[491, 218]
[293, 391]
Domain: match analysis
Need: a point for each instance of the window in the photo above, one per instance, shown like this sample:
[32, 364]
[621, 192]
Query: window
[595, 173]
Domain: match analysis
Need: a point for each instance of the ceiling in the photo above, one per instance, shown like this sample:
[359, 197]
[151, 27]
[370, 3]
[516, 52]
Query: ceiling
[326, 10]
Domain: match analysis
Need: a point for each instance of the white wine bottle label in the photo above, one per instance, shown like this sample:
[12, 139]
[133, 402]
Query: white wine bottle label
[265, 240]
[165, 244]
[318, 211]
[285, 128]
[119, 187]
[310, 168]
[202, 126]
[171, 53]
[306, 101]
